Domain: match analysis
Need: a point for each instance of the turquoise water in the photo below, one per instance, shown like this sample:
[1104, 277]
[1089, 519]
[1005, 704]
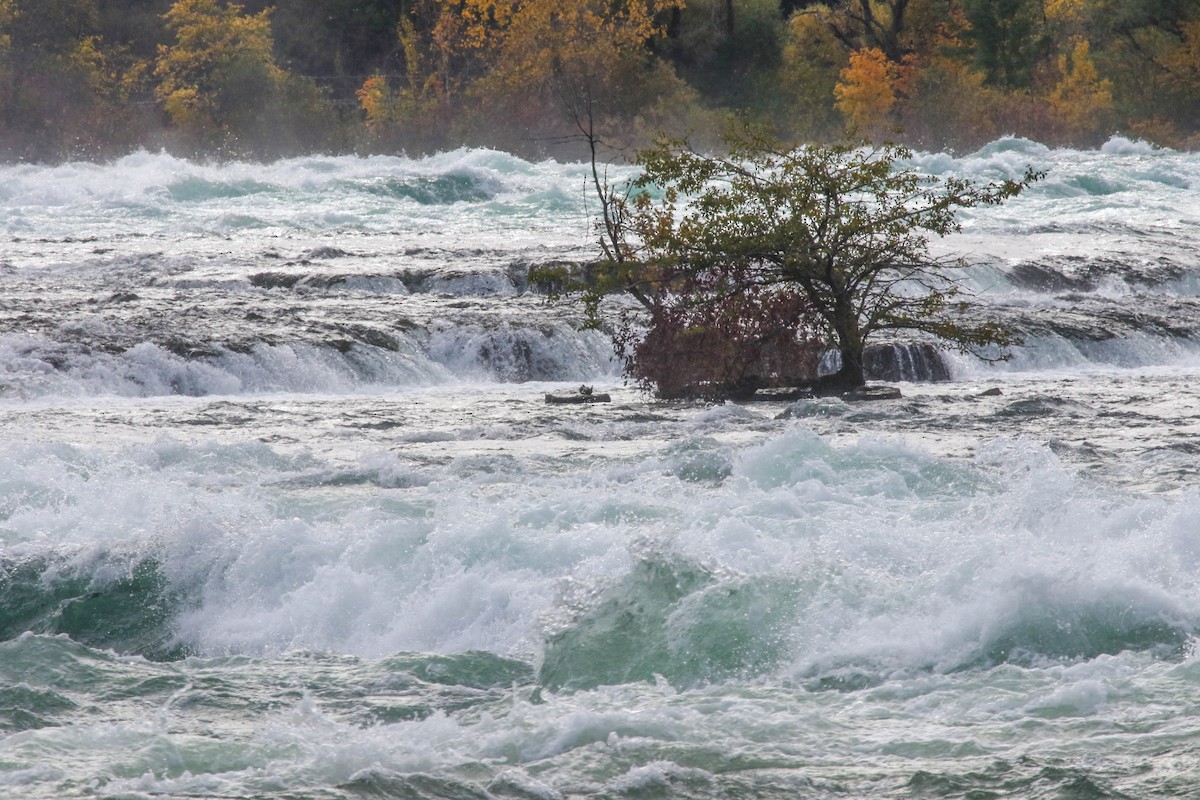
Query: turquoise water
[283, 513]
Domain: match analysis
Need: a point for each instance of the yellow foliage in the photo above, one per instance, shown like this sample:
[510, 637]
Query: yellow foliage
[1081, 100]
[112, 76]
[184, 106]
[406, 35]
[491, 23]
[211, 40]
[525, 44]
[867, 92]
[88, 56]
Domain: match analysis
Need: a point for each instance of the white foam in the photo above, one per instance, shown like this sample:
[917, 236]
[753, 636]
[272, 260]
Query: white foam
[881, 553]
[34, 367]
[1124, 146]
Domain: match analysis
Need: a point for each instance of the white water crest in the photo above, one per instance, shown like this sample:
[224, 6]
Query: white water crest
[283, 511]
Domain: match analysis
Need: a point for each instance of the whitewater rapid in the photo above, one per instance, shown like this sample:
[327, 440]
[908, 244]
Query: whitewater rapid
[283, 513]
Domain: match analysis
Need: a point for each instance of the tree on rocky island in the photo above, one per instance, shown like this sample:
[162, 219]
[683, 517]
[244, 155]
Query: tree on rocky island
[797, 244]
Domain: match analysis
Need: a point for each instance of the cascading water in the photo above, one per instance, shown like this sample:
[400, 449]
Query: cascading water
[283, 512]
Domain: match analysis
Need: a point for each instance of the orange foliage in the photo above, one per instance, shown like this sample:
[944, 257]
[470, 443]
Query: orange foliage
[375, 98]
[867, 92]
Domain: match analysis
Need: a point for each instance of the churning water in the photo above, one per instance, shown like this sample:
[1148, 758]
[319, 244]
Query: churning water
[283, 514]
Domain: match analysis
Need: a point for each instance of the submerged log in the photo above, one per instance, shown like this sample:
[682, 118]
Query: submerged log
[584, 394]
[784, 393]
[871, 393]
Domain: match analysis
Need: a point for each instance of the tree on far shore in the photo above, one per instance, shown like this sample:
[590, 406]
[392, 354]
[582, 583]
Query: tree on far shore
[220, 85]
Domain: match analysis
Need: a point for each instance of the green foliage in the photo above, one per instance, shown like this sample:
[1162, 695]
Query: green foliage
[730, 51]
[1008, 39]
[134, 24]
[553, 279]
[848, 227]
[813, 58]
[64, 91]
[44, 27]
[337, 40]
[1123, 17]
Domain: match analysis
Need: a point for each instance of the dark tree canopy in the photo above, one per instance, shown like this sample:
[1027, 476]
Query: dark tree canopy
[1006, 38]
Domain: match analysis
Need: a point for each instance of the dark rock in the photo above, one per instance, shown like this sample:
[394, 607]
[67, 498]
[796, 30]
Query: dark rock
[993, 392]
[1047, 279]
[416, 280]
[1044, 406]
[324, 253]
[185, 348]
[368, 335]
[915, 361]
[274, 280]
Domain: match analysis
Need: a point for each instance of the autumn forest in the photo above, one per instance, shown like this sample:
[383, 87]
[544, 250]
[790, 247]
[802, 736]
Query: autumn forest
[93, 79]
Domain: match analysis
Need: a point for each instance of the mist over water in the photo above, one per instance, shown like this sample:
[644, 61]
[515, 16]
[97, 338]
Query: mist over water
[283, 512]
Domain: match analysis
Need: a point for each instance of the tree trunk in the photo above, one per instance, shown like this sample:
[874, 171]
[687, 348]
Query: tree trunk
[850, 345]
[851, 375]
[674, 23]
